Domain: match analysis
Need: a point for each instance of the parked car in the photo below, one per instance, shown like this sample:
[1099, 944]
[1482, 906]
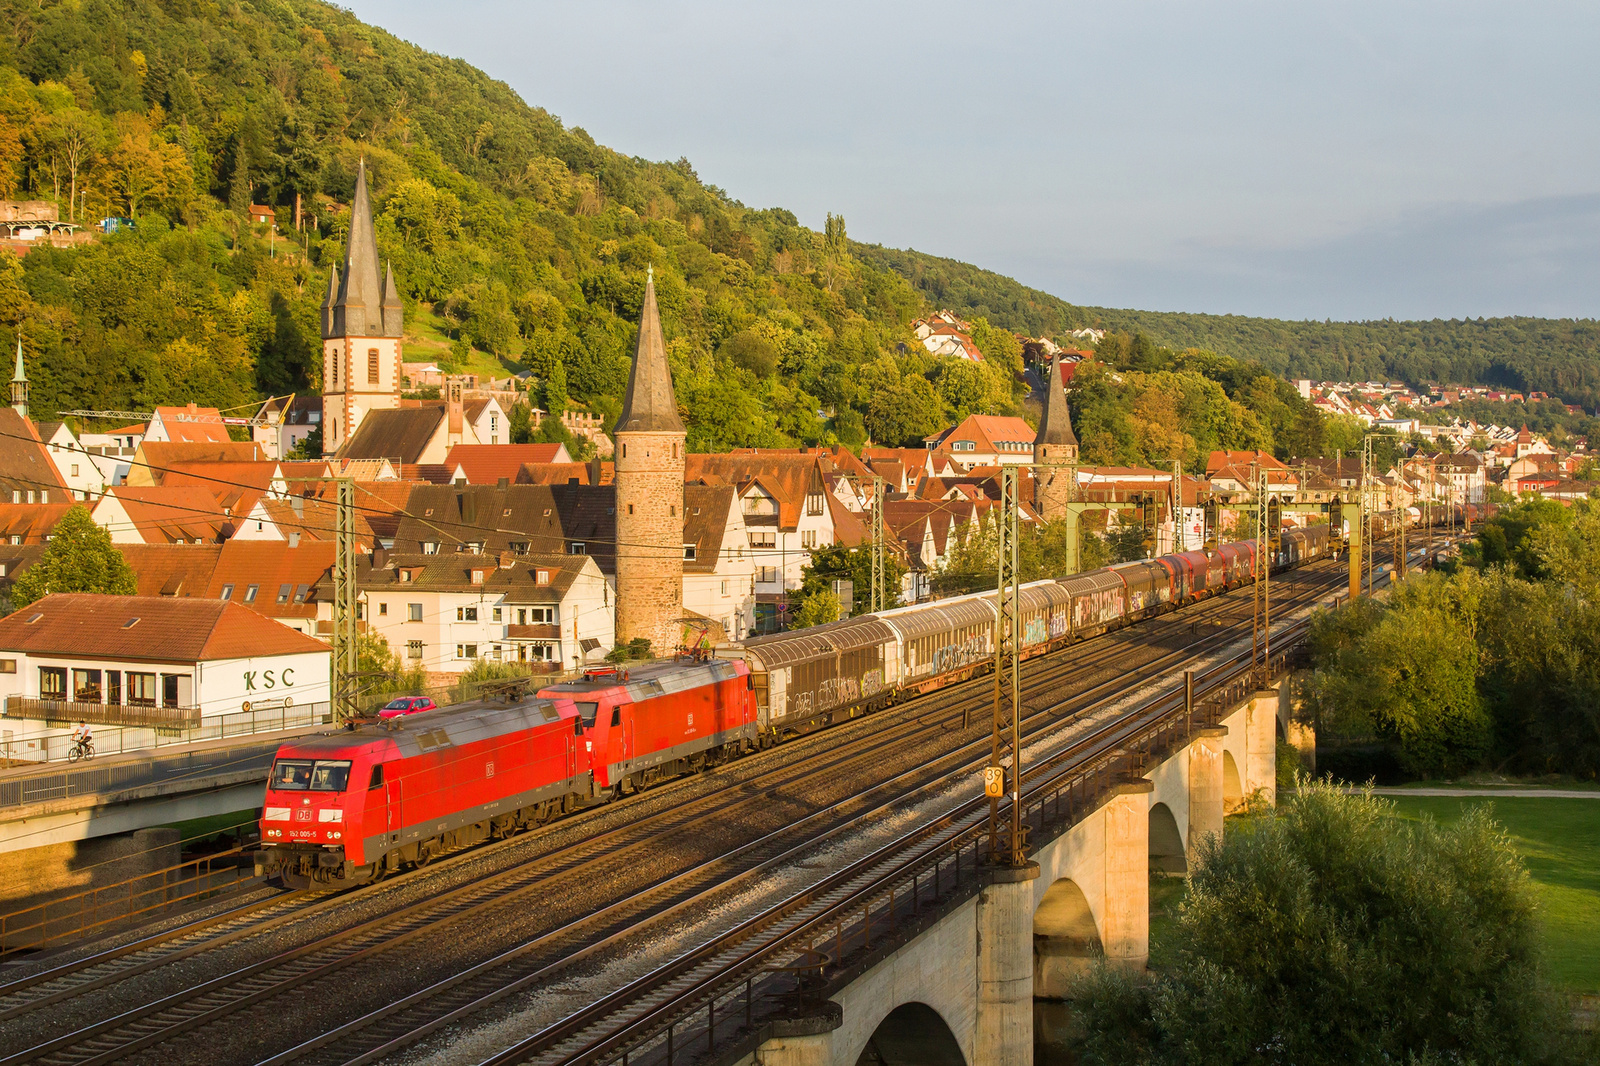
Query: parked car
[406, 705]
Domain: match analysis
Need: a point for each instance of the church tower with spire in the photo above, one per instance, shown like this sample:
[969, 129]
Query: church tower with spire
[19, 384]
[362, 324]
[1055, 449]
[649, 493]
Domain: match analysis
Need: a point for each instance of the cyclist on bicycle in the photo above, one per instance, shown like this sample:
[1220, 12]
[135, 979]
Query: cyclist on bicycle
[83, 739]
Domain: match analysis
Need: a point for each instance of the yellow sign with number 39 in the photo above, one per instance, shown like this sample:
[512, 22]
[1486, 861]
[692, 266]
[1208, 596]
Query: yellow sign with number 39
[994, 781]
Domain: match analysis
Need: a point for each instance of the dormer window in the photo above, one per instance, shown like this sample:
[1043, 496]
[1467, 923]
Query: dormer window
[477, 576]
[430, 547]
[542, 577]
[577, 547]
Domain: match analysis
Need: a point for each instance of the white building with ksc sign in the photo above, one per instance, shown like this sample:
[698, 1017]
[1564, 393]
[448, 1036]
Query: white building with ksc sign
[149, 670]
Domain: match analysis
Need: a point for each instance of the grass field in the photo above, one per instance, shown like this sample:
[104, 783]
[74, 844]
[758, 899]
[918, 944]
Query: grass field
[1559, 839]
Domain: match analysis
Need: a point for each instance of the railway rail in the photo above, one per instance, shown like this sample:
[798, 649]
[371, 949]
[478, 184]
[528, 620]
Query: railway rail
[413, 1017]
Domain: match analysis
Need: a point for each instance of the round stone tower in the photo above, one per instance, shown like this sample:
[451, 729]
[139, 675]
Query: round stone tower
[649, 493]
[1055, 449]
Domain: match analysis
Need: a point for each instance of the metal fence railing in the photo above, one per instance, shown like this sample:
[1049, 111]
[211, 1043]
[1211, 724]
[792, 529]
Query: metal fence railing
[52, 745]
[98, 910]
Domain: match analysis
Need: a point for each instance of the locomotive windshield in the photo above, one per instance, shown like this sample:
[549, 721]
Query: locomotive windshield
[588, 711]
[299, 775]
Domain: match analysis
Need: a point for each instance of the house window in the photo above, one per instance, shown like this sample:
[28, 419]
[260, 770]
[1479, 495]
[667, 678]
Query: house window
[767, 575]
[430, 547]
[577, 547]
[413, 612]
[372, 366]
[141, 689]
[688, 552]
[113, 686]
[763, 539]
[466, 614]
[8, 666]
[517, 547]
[495, 616]
[383, 609]
[724, 586]
[74, 469]
[466, 651]
[477, 577]
[814, 503]
[413, 649]
[52, 682]
[250, 593]
[542, 577]
[808, 538]
[283, 593]
[86, 686]
[336, 368]
[300, 593]
[227, 592]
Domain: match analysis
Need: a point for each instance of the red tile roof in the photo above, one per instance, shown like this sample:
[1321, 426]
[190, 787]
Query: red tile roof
[486, 464]
[163, 628]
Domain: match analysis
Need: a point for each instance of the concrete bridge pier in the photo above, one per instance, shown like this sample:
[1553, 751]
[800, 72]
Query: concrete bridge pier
[1005, 968]
[1261, 744]
[806, 1040]
[1205, 785]
[1126, 925]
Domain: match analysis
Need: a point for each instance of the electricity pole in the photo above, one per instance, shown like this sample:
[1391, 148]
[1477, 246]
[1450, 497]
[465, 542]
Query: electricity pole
[1177, 506]
[1266, 540]
[346, 655]
[879, 560]
[1006, 844]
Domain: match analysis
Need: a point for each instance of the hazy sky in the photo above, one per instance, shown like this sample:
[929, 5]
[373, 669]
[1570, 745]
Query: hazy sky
[1299, 159]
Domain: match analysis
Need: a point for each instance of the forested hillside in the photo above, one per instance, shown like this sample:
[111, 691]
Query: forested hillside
[517, 242]
[1559, 356]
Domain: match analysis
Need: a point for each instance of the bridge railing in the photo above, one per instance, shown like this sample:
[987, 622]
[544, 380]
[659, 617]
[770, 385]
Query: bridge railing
[97, 910]
[52, 745]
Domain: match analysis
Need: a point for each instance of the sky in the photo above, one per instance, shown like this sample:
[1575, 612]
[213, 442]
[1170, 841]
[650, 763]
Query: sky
[1295, 159]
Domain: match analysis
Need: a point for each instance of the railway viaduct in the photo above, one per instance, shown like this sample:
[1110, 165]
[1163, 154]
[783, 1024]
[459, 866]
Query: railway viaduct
[962, 990]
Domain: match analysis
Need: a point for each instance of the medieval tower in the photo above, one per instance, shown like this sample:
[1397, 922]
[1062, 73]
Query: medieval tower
[362, 323]
[1055, 449]
[649, 493]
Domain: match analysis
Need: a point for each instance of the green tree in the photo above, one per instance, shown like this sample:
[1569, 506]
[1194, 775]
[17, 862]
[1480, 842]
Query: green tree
[1407, 672]
[815, 610]
[79, 557]
[1333, 932]
[855, 564]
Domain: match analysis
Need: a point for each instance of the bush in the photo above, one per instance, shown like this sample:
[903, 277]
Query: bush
[1332, 932]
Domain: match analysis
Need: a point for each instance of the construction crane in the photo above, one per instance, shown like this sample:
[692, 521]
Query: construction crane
[262, 416]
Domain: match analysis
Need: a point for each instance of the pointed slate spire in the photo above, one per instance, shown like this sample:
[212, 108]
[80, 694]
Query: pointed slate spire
[393, 310]
[332, 323]
[1055, 425]
[359, 308]
[650, 405]
[19, 383]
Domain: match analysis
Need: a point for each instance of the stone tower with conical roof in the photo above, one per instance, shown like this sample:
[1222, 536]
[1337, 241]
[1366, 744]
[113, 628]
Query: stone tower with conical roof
[362, 324]
[1055, 449]
[649, 493]
[19, 384]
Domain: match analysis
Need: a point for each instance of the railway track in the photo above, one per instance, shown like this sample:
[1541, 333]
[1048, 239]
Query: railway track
[210, 1001]
[652, 1018]
[414, 1017]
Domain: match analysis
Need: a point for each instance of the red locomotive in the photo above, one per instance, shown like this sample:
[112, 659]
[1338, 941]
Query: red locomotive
[344, 809]
[661, 720]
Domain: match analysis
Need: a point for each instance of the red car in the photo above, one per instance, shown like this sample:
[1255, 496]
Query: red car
[406, 705]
